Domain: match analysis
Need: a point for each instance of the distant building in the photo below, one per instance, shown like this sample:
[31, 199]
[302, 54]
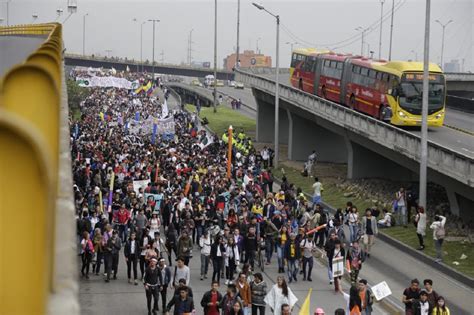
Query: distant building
[452, 66]
[248, 59]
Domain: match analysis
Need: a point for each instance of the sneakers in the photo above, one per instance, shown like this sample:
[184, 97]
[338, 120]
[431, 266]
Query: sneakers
[136, 282]
[331, 282]
[421, 248]
[226, 282]
[202, 278]
[309, 279]
[130, 281]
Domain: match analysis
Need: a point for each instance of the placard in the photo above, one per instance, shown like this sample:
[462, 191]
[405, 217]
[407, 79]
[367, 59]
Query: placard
[381, 290]
[337, 267]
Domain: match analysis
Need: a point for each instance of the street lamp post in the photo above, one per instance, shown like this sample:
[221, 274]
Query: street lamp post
[153, 49]
[362, 30]
[381, 23]
[215, 57]
[141, 43]
[391, 31]
[424, 110]
[238, 35]
[442, 39]
[258, 51]
[190, 47]
[415, 53]
[84, 34]
[34, 16]
[291, 45]
[277, 81]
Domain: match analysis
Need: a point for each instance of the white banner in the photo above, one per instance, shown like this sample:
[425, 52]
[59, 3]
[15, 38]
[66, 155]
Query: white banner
[164, 126]
[137, 184]
[337, 267]
[381, 290]
[95, 81]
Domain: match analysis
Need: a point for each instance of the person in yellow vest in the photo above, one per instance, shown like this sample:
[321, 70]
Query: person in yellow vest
[225, 137]
[241, 134]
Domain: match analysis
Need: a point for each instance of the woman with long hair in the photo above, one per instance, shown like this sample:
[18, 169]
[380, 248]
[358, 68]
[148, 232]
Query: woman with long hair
[283, 237]
[97, 241]
[87, 251]
[237, 309]
[354, 303]
[280, 294]
[171, 242]
[420, 223]
[440, 307]
[232, 259]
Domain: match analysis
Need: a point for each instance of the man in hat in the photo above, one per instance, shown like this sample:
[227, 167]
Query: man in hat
[151, 281]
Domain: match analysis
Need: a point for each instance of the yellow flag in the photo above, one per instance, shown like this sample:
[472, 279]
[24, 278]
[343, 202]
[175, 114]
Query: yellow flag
[306, 304]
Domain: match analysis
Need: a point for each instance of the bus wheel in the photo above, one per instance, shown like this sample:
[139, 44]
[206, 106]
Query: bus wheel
[300, 84]
[352, 102]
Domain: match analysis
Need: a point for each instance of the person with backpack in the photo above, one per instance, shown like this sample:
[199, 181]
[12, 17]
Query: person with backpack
[308, 247]
[366, 297]
[439, 233]
[355, 258]
[87, 252]
[320, 236]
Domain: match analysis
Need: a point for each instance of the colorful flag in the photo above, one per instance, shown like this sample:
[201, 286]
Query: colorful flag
[304, 310]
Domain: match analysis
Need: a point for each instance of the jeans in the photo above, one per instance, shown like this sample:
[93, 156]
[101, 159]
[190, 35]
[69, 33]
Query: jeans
[142, 265]
[268, 250]
[353, 232]
[280, 256]
[98, 262]
[250, 257]
[230, 270]
[439, 248]
[292, 269]
[204, 264]
[307, 262]
[402, 215]
[163, 296]
[122, 232]
[132, 262]
[330, 276]
[258, 309]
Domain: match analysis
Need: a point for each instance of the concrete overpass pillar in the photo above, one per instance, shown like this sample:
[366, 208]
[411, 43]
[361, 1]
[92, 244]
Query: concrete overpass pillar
[453, 200]
[364, 163]
[305, 136]
[265, 121]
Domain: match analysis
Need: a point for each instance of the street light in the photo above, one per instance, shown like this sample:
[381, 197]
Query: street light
[362, 30]
[59, 12]
[215, 57]
[141, 42]
[291, 45]
[153, 50]
[381, 23]
[442, 38]
[277, 80]
[258, 39]
[34, 16]
[190, 48]
[237, 64]
[424, 110]
[84, 34]
[415, 53]
[391, 31]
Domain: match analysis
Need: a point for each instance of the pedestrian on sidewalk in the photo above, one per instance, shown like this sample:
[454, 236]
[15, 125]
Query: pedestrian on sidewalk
[211, 300]
[420, 224]
[244, 292]
[131, 251]
[181, 271]
[185, 247]
[410, 295]
[97, 241]
[308, 247]
[318, 189]
[258, 289]
[230, 298]
[151, 282]
[205, 245]
[369, 228]
[279, 295]
[366, 297]
[401, 206]
[439, 233]
[232, 259]
[432, 294]
[338, 252]
[355, 258]
[353, 220]
[183, 304]
[329, 248]
[422, 306]
[217, 254]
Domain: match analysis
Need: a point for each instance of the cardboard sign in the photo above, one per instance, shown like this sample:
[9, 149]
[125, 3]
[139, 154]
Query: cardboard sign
[338, 267]
[381, 290]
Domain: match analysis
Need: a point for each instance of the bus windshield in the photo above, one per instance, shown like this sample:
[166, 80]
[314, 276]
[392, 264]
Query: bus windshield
[411, 91]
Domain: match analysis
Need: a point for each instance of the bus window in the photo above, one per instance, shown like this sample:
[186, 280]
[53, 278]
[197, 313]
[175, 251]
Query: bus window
[356, 69]
[326, 63]
[339, 65]
[372, 74]
[379, 75]
[333, 64]
[386, 77]
[364, 71]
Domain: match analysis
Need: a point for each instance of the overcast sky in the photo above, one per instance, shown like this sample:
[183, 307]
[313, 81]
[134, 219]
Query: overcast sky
[320, 23]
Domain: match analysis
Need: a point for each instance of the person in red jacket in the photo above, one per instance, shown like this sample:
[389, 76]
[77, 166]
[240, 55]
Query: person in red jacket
[121, 219]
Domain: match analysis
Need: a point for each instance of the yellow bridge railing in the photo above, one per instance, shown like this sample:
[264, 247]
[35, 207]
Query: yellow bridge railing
[31, 122]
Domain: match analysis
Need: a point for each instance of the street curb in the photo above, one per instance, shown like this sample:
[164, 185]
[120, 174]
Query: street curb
[466, 280]
[459, 129]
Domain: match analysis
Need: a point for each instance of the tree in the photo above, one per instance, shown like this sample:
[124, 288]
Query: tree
[75, 94]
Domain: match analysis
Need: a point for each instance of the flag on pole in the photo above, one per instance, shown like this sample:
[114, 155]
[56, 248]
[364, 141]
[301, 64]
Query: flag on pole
[101, 202]
[111, 192]
[305, 308]
[164, 109]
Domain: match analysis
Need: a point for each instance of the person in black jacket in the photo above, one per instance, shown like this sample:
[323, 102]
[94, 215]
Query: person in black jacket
[165, 280]
[144, 241]
[292, 255]
[131, 252]
[211, 299]
[151, 281]
[422, 306]
[182, 303]
[250, 245]
[217, 254]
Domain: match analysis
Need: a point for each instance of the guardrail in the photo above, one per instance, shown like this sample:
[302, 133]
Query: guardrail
[459, 76]
[444, 160]
[34, 158]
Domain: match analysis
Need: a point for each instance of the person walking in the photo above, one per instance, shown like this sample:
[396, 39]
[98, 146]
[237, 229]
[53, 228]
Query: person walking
[181, 271]
[370, 229]
[151, 282]
[279, 295]
[439, 233]
[232, 259]
[283, 237]
[318, 189]
[308, 247]
[410, 295]
[355, 258]
[87, 252]
[183, 304]
[401, 208]
[98, 249]
[420, 223]
[440, 307]
[165, 280]
[258, 289]
[131, 251]
[422, 306]
[211, 300]
[114, 244]
[329, 248]
[185, 247]
[205, 245]
[217, 254]
[353, 221]
[292, 256]
[243, 289]
[366, 297]
[230, 298]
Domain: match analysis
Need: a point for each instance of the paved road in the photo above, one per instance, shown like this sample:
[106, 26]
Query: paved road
[15, 49]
